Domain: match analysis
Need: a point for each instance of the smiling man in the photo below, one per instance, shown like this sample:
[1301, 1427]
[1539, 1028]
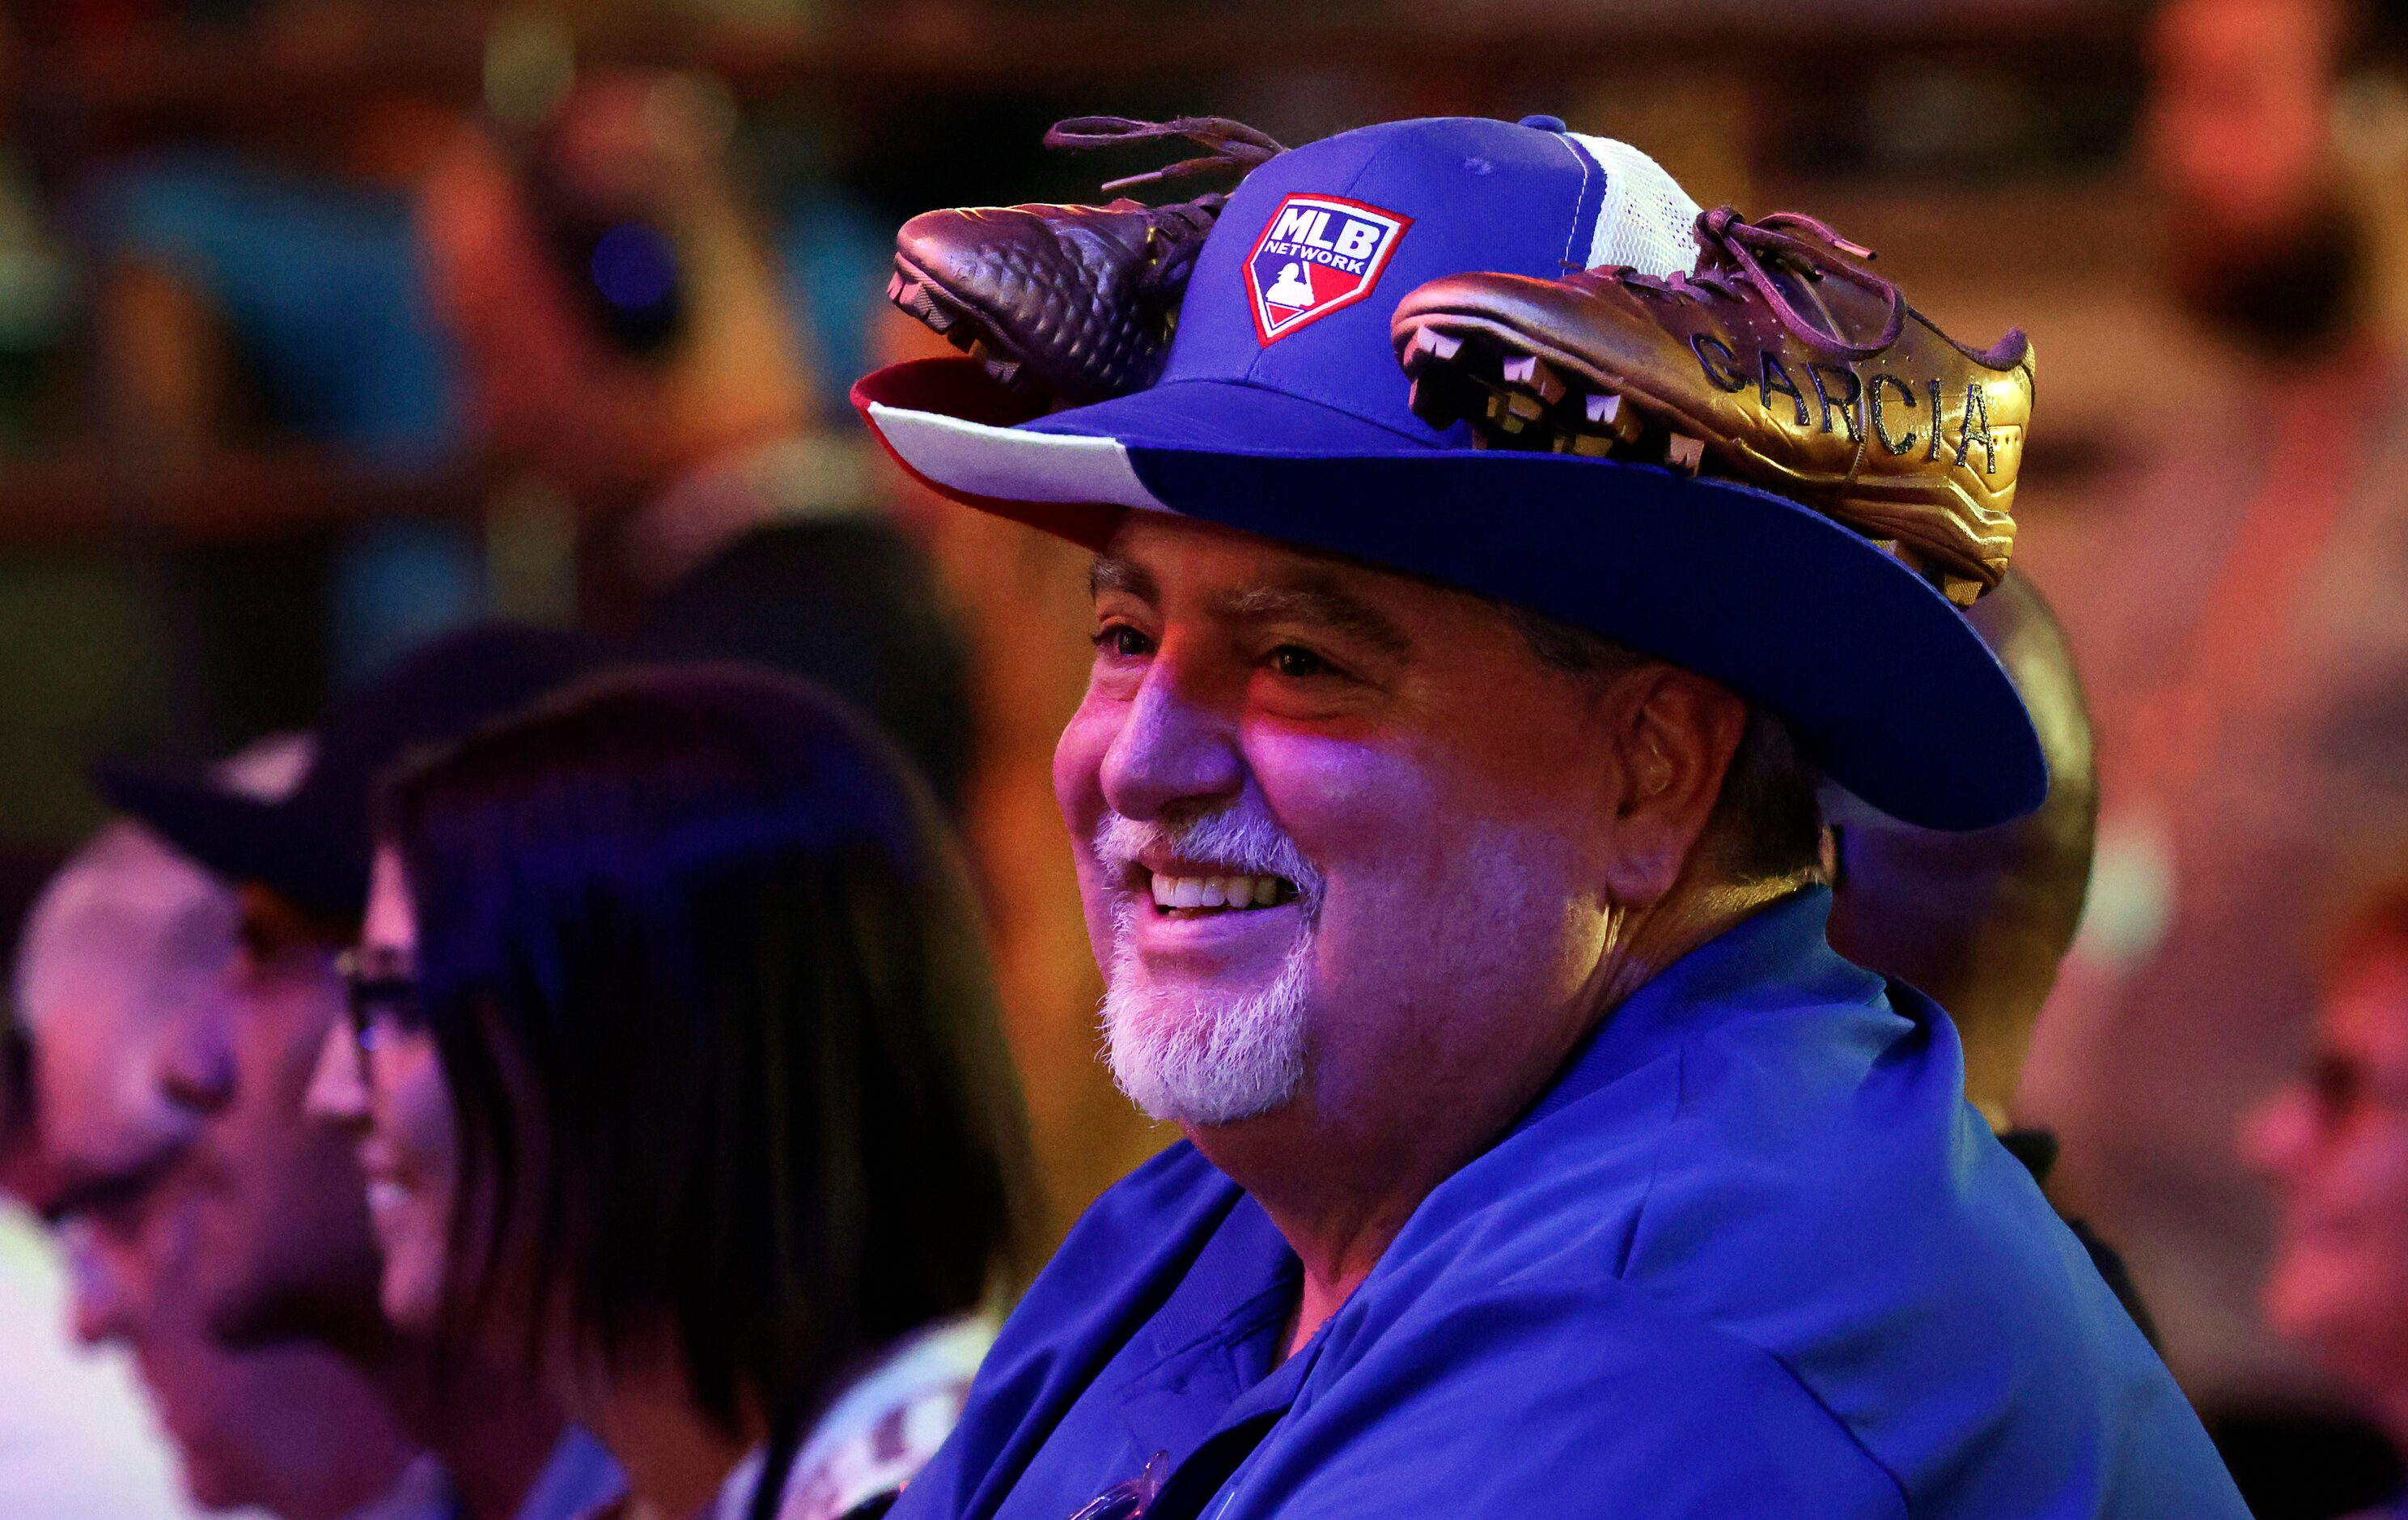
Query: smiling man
[1446, 820]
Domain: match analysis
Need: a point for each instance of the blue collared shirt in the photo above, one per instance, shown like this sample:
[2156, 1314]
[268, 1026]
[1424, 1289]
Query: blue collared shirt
[1751, 1254]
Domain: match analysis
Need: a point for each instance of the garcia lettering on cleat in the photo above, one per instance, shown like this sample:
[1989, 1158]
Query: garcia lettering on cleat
[1317, 254]
[1781, 359]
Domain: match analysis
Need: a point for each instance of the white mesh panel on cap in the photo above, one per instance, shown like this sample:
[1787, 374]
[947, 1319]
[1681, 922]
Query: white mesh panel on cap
[1648, 222]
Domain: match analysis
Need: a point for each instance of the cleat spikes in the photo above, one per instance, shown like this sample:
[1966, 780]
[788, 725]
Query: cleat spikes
[920, 301]
[1427, 346]
[1432, 403]
[1526, 371]
[1683, 452]
[1610, 414]
[1589, 445]
[1511, 411]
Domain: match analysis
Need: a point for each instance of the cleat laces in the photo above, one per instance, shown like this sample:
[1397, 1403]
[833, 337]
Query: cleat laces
[1742, 253]
[1234, 147]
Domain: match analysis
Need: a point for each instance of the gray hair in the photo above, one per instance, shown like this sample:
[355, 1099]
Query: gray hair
[1767, 824]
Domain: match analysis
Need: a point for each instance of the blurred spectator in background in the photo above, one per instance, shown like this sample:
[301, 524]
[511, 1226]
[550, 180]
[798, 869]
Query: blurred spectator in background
[280, 1248]
[1981, 920]
[624, 337]
[126, 935]
[262, 292]
[2334, 1143]
[677, 1070]
[2240, 623]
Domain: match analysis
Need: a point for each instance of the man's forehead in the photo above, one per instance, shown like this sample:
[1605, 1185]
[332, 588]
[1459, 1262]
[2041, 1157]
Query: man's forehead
[1271, 583]
[1148, 550]
[119, 959]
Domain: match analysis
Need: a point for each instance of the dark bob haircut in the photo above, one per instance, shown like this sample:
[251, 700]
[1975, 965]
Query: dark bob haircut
[704, 975]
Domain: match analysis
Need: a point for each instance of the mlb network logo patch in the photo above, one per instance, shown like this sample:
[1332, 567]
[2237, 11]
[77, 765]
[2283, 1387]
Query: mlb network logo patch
[1318, 255]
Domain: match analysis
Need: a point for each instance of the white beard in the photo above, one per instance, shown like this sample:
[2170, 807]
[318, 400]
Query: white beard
[1195, 1058]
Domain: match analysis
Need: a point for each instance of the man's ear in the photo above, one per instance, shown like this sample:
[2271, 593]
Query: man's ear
[1672, 734]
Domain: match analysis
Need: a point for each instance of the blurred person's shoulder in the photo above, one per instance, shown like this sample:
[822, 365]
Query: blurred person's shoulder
[77, 1441]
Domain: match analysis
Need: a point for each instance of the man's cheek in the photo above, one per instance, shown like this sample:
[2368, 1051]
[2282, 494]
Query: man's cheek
[1078, 767]
[1341, 789]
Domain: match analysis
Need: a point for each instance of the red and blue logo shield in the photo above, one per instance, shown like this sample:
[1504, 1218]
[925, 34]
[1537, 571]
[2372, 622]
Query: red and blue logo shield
[1317, 254]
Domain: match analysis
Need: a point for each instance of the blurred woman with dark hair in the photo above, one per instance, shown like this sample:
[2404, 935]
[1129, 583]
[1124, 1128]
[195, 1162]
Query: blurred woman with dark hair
[678, 1072]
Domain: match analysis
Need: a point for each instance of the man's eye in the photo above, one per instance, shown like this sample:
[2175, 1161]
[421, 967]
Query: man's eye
[1297, 663]
[2338, 1083]
[1123, 642]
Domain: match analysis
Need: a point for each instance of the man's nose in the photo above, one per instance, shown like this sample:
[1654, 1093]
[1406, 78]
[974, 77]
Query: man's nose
[195, 1066]
[338, 1093]
[1172, 748]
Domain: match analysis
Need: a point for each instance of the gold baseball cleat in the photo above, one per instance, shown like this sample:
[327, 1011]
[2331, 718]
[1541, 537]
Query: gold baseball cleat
[1782, 361]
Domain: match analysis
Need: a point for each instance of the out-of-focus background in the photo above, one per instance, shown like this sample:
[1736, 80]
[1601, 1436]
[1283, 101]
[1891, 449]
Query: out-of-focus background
[301, 361]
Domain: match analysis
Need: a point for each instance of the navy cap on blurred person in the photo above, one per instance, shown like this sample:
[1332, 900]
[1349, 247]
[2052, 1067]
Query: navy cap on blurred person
[312, 846]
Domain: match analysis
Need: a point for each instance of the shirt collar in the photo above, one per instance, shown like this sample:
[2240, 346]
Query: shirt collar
[1774, 958]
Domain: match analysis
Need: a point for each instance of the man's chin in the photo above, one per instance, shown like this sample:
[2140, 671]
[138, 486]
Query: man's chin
[211, 1490]
[343, 1316]
[1205, 1061]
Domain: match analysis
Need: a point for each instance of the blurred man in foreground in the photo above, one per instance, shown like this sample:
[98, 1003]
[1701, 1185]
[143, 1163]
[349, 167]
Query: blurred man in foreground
[126, 936]
[280, 1248]
[2334, 1143]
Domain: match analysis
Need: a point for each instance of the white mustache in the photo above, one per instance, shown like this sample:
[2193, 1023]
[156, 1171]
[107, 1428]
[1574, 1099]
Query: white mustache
[1235, 843]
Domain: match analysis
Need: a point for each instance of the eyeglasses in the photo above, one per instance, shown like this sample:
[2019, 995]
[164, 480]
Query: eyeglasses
[379, 999]
[1129, 1501]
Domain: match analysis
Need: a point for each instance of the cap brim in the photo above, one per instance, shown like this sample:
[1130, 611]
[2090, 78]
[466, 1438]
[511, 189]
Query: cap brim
[1070, 473]
[1880, 676]
[241, 838]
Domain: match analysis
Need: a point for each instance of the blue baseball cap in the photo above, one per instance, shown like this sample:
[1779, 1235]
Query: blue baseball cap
[1282, 411]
